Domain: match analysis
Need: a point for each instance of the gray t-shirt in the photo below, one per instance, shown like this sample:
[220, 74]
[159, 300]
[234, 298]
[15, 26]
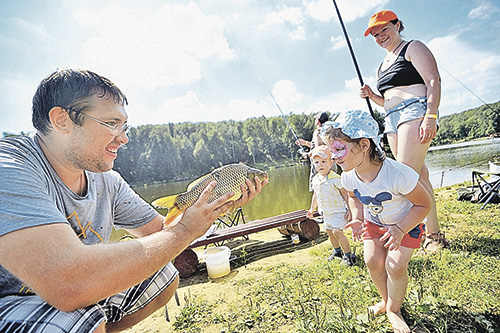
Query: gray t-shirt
[32, 194]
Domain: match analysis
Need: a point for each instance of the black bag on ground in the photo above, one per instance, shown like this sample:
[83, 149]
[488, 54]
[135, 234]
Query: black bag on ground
[465, 194]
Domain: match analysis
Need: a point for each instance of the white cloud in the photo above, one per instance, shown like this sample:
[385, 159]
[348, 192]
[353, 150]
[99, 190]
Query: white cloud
[483, 11]
[184, 108]
[350, 10]
[298, 34]
[478, 70]
[152, 48]
[338, 42]
[286, 94]
[189, 108]
[288, 18]
[292, 15]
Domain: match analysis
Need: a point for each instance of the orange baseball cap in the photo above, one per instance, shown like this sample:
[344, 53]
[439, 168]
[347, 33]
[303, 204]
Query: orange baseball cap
[380, 18]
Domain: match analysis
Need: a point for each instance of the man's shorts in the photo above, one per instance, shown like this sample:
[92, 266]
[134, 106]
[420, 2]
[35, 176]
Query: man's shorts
[411, 240]
[411, 109]
[32, 314]
[334, 221]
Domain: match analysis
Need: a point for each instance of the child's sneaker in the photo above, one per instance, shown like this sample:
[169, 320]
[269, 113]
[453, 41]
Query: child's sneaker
[349, 260]
[335, 255]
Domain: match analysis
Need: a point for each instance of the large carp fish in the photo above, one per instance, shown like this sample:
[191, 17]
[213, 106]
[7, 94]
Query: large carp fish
[229, 179]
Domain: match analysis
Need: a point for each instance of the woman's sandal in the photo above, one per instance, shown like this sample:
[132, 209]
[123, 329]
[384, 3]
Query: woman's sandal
[434, 242]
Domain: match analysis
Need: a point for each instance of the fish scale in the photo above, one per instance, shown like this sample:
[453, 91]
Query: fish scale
[229, 179]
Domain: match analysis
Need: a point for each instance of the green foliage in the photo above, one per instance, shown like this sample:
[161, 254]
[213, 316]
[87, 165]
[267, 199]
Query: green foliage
[454, 290]
[161, 153]
[469, 125]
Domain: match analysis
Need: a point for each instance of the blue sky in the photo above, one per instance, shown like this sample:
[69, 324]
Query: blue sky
[217, 60]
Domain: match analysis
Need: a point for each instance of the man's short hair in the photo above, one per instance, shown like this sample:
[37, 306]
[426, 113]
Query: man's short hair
[73, 89]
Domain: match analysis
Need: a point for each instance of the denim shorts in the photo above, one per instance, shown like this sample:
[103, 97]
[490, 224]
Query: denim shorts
[32, 314]
[411, 109]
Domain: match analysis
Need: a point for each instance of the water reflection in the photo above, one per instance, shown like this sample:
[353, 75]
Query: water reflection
[288, 187]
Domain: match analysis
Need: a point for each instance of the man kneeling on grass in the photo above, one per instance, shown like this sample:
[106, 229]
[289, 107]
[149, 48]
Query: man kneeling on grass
[59, 201]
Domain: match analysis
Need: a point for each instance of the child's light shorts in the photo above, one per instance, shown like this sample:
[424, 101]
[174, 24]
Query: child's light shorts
[334, 221]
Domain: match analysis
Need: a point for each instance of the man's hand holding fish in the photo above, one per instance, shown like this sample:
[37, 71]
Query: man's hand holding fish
[201, 215]
[241, 180]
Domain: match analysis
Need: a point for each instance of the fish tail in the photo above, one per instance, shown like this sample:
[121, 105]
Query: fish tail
[168, 202]
[173, 213]
[165, 202]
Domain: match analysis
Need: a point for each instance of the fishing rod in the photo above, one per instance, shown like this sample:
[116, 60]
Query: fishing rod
[353, 56]
[301, 149]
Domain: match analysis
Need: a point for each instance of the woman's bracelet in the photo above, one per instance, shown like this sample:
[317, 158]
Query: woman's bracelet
[397, 226]
[431, 116]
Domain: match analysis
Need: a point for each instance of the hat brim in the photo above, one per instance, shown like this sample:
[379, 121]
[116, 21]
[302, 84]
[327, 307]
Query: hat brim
[367, 31]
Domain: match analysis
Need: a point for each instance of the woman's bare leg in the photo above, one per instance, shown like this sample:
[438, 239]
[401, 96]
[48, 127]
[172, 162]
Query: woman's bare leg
[407, 149]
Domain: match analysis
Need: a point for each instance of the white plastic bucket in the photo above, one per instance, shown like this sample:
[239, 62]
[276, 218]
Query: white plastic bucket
[217, 260]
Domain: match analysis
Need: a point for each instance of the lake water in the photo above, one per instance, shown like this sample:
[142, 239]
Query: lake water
[288, 189]
[452, 164]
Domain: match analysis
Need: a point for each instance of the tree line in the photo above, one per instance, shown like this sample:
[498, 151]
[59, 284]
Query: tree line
[169, 152]
[161, 153]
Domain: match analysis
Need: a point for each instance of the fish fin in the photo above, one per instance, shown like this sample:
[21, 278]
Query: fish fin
[196, 182]
[165, 202]
[172, 215]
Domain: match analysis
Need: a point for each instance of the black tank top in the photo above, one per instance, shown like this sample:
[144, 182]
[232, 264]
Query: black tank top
[400, 73]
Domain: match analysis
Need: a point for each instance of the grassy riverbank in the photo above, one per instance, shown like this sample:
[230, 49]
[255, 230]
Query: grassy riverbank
[455, 290]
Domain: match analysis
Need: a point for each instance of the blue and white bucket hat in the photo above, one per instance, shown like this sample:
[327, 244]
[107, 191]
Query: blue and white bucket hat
[356, 124]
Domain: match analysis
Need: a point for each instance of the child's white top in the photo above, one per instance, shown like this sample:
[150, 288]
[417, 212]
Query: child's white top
[327, 190]
[384, 198]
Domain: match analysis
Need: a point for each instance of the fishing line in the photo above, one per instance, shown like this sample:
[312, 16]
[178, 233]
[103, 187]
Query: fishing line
[301, 149]
[463, 85]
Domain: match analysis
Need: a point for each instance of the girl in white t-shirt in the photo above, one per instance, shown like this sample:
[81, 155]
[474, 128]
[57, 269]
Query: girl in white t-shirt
[388, 205]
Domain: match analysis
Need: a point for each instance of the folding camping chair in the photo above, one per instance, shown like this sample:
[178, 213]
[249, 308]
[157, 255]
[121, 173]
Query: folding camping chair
[487, 190]
[229, 221]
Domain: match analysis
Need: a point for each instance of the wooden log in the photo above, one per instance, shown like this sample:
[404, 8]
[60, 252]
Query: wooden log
[306, 229]
[186, 263]
[309, 229]
[284, 230]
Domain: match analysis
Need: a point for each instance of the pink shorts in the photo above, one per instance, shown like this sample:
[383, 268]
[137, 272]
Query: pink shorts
[411, 240]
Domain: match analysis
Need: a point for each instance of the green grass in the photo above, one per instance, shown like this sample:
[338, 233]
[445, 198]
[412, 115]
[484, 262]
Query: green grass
[455, 290]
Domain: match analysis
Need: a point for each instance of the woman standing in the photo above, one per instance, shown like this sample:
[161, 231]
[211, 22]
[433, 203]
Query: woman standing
[410, 91]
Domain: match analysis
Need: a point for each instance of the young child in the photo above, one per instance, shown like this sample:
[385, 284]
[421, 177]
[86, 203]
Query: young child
[388, 205]
[331, 200]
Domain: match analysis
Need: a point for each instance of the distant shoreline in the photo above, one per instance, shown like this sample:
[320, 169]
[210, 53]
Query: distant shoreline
[483, 141]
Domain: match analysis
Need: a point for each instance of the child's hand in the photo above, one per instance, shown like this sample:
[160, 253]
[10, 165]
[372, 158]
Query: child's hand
[392, 237]
[357, 229]
[310, 213]
[348, 215]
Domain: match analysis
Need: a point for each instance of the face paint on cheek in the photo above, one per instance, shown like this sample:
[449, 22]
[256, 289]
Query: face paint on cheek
[338, 149]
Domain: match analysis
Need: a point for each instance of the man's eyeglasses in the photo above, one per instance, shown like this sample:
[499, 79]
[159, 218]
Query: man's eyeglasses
[115, 129]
